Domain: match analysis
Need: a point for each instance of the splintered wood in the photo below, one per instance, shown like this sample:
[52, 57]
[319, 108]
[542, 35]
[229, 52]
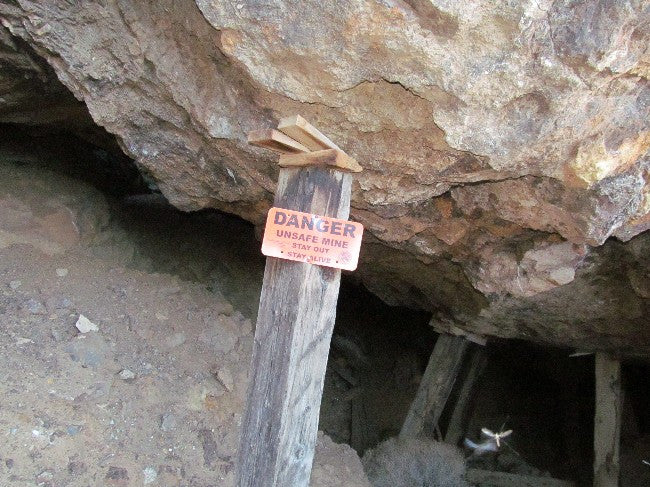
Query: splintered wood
[295, 320]
[607, 422]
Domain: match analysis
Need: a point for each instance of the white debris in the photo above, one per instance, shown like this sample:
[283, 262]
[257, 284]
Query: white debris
[84, 325]
[23, 341]
[126, 374]
[15, 284]
[150, 475]
[61, 272]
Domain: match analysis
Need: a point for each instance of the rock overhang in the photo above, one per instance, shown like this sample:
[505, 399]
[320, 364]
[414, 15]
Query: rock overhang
[504, 147]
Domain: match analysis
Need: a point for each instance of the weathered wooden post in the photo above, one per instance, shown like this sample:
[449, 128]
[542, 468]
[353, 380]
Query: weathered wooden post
[607, 421]
[297, 304]
[435, 387]
[458, 420]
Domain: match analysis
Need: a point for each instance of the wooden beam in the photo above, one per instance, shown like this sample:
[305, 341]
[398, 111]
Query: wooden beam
[607, 421]
[458, 421]
[503, 479]
[328, 157]
[438, 379]
[292, 338]
[275, 141]
[301, 130]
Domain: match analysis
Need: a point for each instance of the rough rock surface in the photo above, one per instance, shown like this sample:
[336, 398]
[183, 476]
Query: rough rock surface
[415, 461]
[504, 144]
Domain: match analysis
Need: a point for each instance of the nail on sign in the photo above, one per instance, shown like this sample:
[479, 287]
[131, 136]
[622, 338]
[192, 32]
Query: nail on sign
[304, 237]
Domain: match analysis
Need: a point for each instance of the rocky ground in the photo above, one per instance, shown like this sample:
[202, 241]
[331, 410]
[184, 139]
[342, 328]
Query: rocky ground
[153, 396]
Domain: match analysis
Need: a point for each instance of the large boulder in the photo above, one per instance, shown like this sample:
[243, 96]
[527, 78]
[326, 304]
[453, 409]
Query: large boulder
[505, 144]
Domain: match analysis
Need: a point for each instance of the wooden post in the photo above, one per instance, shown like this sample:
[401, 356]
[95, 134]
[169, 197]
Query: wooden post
[294, 324]
[607, 422]
[438, 379]
[457, 422]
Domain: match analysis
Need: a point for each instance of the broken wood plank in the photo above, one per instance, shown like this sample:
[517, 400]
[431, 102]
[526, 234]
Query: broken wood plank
[294, 326]
[438, 379]
[329, 157]
[458, 421]
[486, 478]
[363, 433]
[301, 130]
[275, 141]
[607, 421]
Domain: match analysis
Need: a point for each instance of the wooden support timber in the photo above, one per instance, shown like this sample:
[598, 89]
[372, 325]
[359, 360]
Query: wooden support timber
[276, 141]
[292, 338]
[327, 157]
[607, 421]
[438, 379]
[302, 131]
[457, 422]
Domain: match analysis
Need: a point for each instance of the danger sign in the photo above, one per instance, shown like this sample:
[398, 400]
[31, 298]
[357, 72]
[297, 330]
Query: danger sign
[304, 237]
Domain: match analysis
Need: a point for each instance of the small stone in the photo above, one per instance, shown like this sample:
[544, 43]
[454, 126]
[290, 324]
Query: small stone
[126, 374]
[45, 475]
[175, 340]
[168, 422]
[61, 272]
[84, 325]
[150, 475]
[35, 307]
[9, 463]
[117, 475]
[77, 468]
[15, 284]
[73, 429]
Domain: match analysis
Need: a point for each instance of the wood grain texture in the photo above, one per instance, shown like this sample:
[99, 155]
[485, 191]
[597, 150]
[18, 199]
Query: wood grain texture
[328, 157]
[301, 130]
[458, 420]
[292, 338]
[275, 141]
[439, 377]
[607, 421]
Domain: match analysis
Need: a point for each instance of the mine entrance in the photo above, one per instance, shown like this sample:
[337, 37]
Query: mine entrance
[379, 353]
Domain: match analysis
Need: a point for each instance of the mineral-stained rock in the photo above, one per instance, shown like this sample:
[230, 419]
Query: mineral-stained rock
[504, 143]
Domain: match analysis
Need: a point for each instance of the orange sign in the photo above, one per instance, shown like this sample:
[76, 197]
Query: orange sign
[304, 237]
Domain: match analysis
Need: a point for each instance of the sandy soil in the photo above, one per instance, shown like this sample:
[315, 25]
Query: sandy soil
[154, 396]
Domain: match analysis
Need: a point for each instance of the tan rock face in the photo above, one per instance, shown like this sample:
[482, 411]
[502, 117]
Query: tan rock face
[39, 209]
[503, 144]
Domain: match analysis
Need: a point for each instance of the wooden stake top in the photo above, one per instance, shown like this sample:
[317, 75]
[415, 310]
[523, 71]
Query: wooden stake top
[301, 144]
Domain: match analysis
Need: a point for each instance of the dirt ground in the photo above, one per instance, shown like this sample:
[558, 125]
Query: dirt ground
[154, 395]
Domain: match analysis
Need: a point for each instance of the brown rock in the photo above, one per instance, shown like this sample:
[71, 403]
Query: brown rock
[489, 134]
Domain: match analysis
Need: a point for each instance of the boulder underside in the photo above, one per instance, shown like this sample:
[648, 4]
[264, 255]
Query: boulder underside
[506, 183]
